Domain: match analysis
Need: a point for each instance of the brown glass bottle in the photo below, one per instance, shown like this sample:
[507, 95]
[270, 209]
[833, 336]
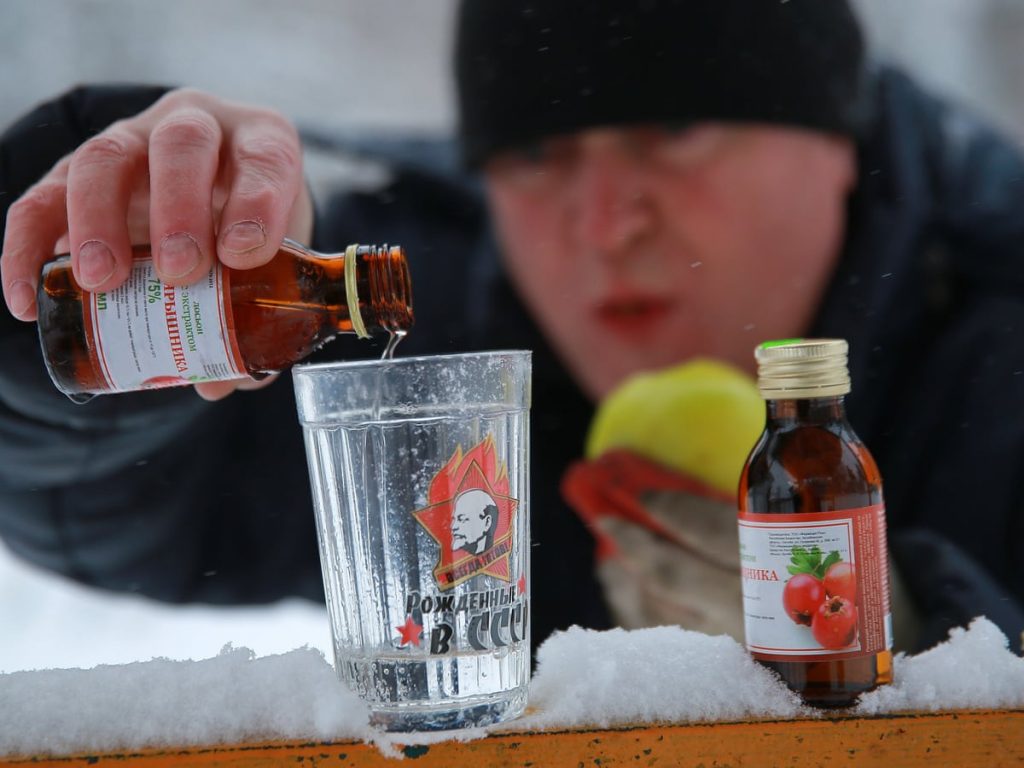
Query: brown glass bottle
[272, 316]
[809, 460]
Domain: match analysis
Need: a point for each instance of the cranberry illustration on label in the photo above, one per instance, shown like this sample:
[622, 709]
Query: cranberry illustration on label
[835, 623]
[841, 581]
[802, 597]
[821, 593]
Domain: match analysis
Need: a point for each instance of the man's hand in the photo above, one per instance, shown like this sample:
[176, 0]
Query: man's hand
[198, 177]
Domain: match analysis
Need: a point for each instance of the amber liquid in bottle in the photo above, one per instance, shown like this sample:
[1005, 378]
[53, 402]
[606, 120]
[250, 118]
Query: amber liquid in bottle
[280, 312]
[810, 460]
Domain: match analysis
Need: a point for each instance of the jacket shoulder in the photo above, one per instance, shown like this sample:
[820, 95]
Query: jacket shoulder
[935, 165]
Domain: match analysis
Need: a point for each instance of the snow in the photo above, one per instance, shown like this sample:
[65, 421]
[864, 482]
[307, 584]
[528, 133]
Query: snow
[584, 678]
[972, 670]
[230, 698]
[669, 674]
[50, 622]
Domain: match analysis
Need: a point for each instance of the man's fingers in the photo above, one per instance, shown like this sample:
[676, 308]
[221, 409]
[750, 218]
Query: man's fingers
[264, 166]
[217, 390]
[184, 154]
[253, 384]
[172, 163]
[100, 179]
[35, 222]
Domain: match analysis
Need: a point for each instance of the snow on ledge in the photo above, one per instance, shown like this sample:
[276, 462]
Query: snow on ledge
[584, 678]
[231, 698]
[974, 669]
[667, 674]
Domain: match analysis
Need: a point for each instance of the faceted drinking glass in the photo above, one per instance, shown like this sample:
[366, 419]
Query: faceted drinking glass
[420, 475]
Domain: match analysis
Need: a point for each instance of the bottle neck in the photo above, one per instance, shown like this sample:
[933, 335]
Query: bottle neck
[364, 290]
[805, 410]
[386, 301]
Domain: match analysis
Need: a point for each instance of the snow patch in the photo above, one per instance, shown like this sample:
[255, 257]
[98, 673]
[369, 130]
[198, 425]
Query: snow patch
[974, 669]
[667, 674]
[231, 698]
[584, 678]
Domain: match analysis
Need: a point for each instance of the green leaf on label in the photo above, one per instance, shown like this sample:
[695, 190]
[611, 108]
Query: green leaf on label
[803, 561]
[832, 559]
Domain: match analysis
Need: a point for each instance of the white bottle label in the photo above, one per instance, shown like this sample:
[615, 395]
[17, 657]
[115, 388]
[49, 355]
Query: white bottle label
[149, 334]
[816, 584]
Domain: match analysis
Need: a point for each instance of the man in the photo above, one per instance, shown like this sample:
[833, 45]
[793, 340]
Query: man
[473, 522]
[666, 179]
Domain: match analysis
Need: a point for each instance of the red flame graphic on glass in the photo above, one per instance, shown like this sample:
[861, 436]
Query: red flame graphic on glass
[471, 516]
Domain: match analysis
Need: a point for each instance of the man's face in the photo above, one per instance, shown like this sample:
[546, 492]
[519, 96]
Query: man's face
[637, 248]
[471, 519]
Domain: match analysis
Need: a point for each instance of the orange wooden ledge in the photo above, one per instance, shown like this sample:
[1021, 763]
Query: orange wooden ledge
[961, 739]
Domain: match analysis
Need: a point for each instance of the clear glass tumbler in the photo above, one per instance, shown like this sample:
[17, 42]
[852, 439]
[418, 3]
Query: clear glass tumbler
[420, 473]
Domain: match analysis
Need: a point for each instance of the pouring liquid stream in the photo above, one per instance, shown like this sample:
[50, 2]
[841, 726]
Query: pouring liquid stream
[394, 339]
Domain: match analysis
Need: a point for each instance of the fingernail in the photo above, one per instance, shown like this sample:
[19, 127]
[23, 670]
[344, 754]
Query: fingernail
[243, 236]
[95, 263]
[179, 255]
[22, 298]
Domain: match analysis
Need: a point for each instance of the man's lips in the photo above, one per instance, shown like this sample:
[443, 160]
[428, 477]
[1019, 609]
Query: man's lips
[629, 315]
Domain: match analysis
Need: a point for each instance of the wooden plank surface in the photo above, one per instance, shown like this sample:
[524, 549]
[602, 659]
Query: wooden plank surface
[960, 739]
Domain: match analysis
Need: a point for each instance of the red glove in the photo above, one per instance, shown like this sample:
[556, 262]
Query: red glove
[667, 547]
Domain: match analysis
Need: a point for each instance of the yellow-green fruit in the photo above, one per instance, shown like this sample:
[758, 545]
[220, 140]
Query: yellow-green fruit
[700, 418]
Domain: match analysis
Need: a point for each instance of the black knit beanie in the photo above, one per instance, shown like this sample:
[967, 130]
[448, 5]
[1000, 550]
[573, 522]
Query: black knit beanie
[527, 69]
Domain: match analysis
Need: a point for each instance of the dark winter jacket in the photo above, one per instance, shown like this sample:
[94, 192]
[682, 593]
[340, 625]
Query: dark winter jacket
[166, 495]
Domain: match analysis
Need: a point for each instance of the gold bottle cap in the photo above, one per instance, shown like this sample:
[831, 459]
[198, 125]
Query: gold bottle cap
[802, 368]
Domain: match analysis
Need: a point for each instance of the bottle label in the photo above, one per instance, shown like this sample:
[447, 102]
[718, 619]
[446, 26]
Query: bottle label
[816, 584]
[148, 334]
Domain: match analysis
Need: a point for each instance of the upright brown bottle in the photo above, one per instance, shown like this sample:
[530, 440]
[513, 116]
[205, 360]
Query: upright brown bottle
[232, 323]
[812, 532]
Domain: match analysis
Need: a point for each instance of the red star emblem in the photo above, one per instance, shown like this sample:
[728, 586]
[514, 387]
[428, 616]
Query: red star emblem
[521, 584]
[471, 487]
[410, 632]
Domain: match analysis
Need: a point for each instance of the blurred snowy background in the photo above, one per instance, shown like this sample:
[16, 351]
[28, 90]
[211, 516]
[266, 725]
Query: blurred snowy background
[351, 65]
